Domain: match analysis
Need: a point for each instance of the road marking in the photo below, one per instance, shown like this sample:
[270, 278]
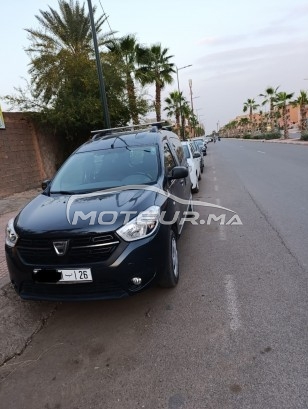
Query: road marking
[260, 152]
[235, 322]
[221, 229]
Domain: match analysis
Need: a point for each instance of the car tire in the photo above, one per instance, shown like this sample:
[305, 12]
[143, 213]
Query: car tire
[202, 169]
[195, 189]
[199, 177]
[170, 276]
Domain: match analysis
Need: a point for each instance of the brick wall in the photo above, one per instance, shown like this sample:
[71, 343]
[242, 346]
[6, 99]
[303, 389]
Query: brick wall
[27, 156]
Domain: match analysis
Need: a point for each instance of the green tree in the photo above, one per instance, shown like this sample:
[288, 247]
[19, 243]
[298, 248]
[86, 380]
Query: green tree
[269, 98]
[174, 101]
[64, 85]
[186, 113]
[155, 68]
[243, 124]
[281, 101]
[302, 102]
[251, 106]
[126, 49]
[64, 38]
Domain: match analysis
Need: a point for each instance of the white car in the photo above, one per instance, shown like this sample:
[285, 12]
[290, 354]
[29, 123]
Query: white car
[193, 158]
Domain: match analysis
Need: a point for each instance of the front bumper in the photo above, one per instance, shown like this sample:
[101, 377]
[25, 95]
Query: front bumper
[112, 278]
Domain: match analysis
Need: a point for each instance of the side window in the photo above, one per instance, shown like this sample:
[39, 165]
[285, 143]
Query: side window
[178, 149]
[168, 159]
[192, 148]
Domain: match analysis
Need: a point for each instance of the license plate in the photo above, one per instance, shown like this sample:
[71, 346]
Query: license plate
[78, 275]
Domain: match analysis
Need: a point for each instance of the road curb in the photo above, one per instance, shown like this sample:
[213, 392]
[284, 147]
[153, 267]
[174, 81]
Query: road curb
[284, 141]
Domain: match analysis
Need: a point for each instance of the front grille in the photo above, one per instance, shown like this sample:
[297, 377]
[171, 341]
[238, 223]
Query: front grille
[101, 290]
[80, 249]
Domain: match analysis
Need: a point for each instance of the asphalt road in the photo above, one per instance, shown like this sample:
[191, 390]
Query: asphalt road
[233, 334]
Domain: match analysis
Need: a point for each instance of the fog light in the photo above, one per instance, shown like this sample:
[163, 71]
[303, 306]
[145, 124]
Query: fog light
[136, 280]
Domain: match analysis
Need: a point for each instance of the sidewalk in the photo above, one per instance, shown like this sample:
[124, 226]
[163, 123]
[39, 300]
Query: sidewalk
[9, 207]
[287, 141]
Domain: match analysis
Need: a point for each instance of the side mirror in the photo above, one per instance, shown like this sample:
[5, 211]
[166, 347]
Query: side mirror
[196, 155]
[45, 184]
[178, 172]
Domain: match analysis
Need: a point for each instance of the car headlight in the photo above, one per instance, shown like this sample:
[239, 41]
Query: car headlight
[141, 226]
[11, 235]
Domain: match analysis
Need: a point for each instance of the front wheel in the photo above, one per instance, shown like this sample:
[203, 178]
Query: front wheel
[196, 188]
[170, 277]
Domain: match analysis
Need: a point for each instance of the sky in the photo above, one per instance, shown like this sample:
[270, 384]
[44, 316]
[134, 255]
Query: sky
[236, 49]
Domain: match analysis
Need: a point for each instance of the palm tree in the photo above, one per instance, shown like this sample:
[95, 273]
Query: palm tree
[65, 40]
[155, 68]
[174, 101]
[281, 102]
[243, 124]
[126, 49]
[270, 95]
[250, 105]
[186, 114]
[302, 102]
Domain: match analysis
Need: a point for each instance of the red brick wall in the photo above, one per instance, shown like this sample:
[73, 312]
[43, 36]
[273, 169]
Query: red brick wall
[26, 156]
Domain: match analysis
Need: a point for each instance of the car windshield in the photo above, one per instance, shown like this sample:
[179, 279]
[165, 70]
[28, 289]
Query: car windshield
[186, 151]
[108, 168]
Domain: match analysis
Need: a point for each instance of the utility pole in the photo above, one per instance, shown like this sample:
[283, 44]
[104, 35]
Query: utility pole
[182, 132]
[102, 89]
[192, 107]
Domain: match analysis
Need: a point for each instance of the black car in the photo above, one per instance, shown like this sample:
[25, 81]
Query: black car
[107, 225]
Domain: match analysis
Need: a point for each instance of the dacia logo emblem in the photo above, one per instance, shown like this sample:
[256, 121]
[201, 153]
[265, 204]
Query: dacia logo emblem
[60, 247]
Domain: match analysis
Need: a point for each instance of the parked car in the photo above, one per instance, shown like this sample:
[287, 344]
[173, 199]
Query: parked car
[193, 158]
[199, 148]
[202, 144]
[94, 232]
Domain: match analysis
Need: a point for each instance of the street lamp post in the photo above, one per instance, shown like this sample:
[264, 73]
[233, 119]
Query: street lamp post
[192, 106]
[182, 132]
[102, 89]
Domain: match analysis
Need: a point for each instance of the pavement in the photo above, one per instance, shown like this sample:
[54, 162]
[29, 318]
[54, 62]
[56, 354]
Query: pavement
[290, 141]
[9, 207]
[19, 320]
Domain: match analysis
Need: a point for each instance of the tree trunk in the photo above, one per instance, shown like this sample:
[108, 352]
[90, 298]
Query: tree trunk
[158, 101]
[132, 99]
[303, 119]
[285, 123]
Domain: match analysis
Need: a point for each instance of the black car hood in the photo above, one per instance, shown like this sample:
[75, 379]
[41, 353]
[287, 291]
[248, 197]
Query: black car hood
[60, 214]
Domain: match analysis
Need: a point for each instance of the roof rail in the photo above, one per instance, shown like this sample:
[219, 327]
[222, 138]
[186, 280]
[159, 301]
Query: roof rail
[153, 127]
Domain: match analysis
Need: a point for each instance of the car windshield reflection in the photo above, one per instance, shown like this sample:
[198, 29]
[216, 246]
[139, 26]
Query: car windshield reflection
[105, 169]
